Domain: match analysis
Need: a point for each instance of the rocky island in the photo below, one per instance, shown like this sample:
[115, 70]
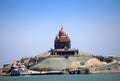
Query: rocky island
[62, 60]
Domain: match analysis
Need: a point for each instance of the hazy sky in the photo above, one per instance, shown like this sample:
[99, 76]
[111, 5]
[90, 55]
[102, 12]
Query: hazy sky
[29, 27]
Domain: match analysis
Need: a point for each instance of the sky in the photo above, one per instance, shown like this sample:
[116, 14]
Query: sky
[29, 27]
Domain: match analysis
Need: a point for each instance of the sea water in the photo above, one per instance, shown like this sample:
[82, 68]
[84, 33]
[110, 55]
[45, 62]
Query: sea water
[82, 77]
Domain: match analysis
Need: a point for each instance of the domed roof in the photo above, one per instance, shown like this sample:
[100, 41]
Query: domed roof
[62, 36]
[62, 32]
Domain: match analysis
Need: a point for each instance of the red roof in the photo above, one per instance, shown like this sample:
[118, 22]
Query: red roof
[62, 36]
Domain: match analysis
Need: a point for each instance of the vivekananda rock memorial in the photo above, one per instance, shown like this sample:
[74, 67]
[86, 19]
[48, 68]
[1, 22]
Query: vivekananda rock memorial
[62, 59]
[62, 45]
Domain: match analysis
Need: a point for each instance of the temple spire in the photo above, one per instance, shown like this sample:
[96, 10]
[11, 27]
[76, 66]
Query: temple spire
[61, 27]
[62, 40]
[62, 44]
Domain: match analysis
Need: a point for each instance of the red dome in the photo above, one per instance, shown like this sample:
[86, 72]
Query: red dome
[62, 36]
[62, 33]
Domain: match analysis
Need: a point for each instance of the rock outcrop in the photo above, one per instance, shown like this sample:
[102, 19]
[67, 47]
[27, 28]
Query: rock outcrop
[94, 63]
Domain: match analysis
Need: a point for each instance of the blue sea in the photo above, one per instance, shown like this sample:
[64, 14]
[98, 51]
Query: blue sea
[82, 77]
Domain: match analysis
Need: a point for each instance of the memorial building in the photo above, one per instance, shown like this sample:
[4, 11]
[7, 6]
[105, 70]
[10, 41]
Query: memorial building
[62, 45]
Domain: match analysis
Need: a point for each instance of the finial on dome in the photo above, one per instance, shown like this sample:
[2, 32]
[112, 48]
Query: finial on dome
[61, 27]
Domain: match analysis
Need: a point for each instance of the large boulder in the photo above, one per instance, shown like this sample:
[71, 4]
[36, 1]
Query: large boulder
[94, 63]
